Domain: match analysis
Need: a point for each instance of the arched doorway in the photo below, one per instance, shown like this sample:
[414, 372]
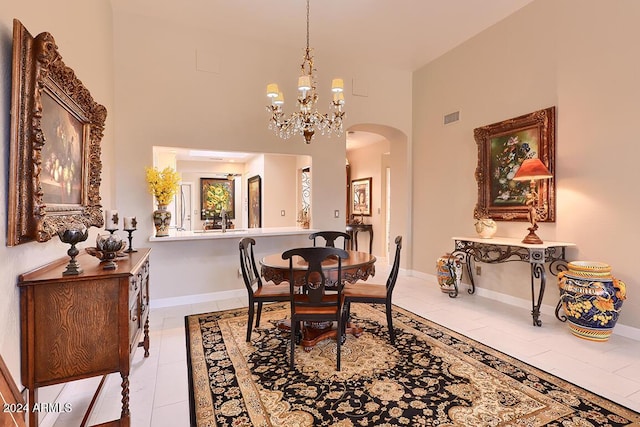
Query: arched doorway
[381, 152]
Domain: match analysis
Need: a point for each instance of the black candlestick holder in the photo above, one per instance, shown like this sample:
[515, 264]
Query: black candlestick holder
[111, 230]
[73, 236]
[130, 248]
[109, 246]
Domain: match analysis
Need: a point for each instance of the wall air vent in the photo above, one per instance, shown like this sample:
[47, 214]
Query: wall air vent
[452, 117]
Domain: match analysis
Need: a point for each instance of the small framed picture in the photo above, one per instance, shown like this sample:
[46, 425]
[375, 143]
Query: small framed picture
[361, 196]
[255, 201]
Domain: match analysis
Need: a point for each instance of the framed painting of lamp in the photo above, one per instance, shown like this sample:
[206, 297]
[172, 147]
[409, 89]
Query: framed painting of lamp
[502, 149]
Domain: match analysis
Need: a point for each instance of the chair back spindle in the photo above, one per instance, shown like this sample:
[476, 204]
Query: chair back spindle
[248, 266]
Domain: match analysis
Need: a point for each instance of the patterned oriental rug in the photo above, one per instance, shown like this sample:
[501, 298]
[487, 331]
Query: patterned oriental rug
[433, 376]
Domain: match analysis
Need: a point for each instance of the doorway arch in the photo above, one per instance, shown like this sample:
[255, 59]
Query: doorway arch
[400, 200]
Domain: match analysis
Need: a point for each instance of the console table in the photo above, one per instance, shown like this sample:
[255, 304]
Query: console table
[353, 229]
[503, 249]
[75, 327]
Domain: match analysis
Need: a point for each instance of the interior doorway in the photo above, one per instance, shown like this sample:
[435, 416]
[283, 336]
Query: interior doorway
[382, 153]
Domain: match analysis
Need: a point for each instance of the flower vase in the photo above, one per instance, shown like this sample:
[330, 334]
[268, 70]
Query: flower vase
[161, 220]
[486, 227]
[591, 299]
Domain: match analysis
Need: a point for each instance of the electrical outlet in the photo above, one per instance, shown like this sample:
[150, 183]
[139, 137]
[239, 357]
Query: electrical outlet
[478, 270]
[336, 213]
[282, 212]
[239, 272]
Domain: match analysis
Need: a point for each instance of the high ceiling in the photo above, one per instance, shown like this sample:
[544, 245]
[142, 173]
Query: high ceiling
[410, 33]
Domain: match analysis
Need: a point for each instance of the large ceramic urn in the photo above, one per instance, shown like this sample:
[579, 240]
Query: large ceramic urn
[591, 299]
[449, 272]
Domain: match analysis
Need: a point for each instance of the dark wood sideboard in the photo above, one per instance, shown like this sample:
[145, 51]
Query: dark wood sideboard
[75, 327]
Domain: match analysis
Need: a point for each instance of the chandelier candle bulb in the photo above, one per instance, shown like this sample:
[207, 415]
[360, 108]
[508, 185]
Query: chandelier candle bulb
[304, 83]
[272, 90]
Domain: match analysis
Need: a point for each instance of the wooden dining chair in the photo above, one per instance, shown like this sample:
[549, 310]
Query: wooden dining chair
[262, 292]
[314, 304]
[376, 294]
[330, 237]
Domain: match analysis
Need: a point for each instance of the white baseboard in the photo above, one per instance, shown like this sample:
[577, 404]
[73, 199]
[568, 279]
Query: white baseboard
[620, 329]
[198, 298]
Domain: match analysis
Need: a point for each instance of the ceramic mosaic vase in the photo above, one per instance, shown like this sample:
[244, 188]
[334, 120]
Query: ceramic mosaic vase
[591, 299]
[445, 266]
[162, 220]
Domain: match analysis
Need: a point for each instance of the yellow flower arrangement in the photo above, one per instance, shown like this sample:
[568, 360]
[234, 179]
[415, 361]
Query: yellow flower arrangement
[163, 184]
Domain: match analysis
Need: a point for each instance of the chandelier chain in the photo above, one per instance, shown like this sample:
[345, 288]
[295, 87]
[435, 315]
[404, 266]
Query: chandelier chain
[307, 25]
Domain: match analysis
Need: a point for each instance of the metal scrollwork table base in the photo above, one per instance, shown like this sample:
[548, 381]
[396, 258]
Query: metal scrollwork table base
[502, 249]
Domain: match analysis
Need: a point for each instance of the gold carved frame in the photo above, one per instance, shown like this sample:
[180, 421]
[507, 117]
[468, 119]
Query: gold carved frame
[36, 212]
[501, 149]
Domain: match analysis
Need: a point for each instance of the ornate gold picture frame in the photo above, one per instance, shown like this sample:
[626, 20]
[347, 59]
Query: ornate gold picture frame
[56, 130]
[502, 147]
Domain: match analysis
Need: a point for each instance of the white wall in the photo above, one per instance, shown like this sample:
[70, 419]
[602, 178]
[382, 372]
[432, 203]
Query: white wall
[162, 99]
[86, 46]
[279, 191]
[576, 55]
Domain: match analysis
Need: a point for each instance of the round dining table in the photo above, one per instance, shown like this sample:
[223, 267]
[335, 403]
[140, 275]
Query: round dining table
[359, 266]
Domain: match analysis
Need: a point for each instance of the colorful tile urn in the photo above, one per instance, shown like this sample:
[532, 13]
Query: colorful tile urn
[449, 272]
[591, 299]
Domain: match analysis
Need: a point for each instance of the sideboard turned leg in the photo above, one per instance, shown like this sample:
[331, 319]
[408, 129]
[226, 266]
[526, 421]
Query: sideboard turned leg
[125, 396]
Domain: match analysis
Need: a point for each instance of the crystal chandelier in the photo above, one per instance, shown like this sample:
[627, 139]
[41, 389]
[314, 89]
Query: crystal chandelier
[307, 120]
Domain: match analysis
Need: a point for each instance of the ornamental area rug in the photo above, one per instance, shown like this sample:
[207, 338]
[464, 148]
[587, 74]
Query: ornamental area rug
[431, 377]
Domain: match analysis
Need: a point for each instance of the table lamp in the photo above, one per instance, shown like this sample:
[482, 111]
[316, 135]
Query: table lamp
[532, 170]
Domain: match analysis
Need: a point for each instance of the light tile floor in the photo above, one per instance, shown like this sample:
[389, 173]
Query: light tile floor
[158, 384]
